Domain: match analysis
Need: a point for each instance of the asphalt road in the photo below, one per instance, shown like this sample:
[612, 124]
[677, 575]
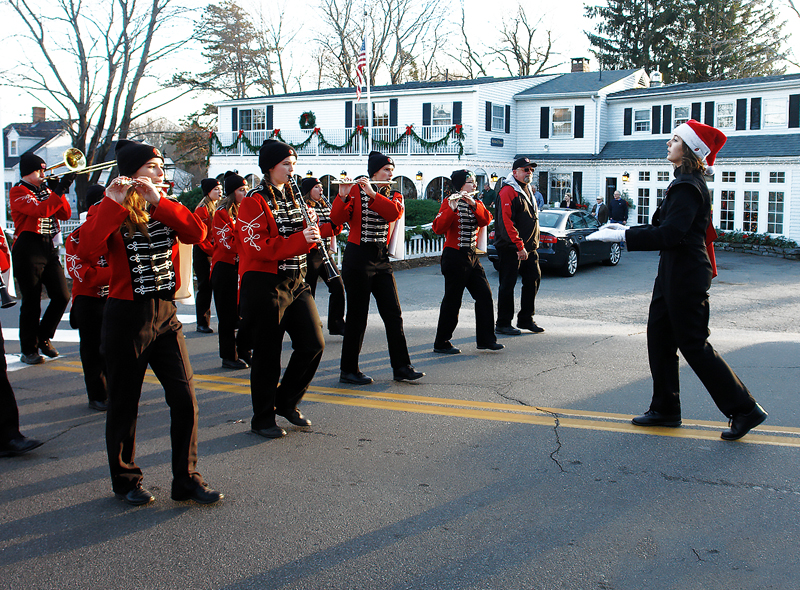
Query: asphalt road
[516, 469]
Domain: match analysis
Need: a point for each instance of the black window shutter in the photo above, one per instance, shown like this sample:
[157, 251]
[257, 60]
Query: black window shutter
[666, 121]
[508, 118]
[579, 121]
[544, 124]
[426, 113]
[457, 112]
[794, 111]
[577, 186]
[655, 124]
[755, 113]
[234, 119]
[392, 112]
[628, 122]
[696, 110]
[543, 185]
[741, 114]
[348, 114]
[488, 116]
[709, 118]
[269, 117]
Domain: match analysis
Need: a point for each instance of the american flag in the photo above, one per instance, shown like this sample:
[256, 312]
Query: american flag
[360, 65]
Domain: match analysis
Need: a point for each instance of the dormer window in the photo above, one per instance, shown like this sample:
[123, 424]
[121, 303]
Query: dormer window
[681, 114]
[774, 112]
[641, 120]
[725, 115]
[13, 149]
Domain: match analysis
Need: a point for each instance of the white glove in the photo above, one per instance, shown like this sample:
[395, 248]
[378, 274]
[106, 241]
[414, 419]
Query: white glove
[615, 226]
[607, 235]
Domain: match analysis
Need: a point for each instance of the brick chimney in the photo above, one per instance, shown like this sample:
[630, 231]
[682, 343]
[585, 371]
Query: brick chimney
[39, 114]
[580, 64]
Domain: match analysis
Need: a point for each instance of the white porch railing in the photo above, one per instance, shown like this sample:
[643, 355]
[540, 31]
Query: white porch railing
[406, 146]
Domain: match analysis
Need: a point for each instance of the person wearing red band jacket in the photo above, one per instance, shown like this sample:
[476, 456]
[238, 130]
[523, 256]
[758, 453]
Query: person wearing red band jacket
[202, 252]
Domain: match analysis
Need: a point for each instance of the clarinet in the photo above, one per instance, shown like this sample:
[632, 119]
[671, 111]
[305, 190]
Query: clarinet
[330, 267]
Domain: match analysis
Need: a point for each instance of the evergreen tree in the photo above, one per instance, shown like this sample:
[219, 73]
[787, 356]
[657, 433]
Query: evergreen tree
[689, 40]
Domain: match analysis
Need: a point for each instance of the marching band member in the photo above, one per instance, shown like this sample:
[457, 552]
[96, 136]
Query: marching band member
[234, 348]
[366, 268]
[140, 227]
[36, 210]
[459, 219]
[202, 252]
[312, 193]
[90, 278]
[274, 239]
[12, 442]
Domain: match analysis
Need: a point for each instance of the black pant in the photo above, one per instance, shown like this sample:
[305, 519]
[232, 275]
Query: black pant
[462, 270]
[87, 316]
[366, 271]
[9, 413]
[36, 264]
[274, 305]
[510, 268]
[679, 321]
[137, 334]
[225, 283]
[201, 263]
[315, 269]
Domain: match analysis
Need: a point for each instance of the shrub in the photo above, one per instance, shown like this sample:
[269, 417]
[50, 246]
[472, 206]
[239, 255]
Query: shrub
[420, 211]
[740, 237]
[191, 198]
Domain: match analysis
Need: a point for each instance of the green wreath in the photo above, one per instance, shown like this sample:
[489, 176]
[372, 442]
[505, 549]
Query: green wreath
[307, 120]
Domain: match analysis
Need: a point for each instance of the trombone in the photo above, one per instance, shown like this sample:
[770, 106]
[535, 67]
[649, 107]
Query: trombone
[75, 161]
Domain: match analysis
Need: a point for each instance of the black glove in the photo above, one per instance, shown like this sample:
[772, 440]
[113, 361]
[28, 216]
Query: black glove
[52, 183]
[65, 183]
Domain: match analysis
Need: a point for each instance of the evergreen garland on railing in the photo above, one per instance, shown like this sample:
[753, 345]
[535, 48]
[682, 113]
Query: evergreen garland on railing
[456, 131]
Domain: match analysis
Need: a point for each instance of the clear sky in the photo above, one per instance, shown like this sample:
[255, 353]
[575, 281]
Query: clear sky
[565, 18]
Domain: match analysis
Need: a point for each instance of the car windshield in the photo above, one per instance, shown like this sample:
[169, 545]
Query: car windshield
[550, 219]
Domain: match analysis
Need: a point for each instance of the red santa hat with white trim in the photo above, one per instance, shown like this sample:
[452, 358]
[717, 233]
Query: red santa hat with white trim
[704, 141]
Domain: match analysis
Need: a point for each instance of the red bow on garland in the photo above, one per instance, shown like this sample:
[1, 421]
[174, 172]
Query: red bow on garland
[210, 135]
[275, 132]
[316, 130]
[359, 128]
[409, 129]
[241, 132]
[458, 129]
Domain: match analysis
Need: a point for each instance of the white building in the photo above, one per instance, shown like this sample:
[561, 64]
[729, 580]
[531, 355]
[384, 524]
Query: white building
[590, 132]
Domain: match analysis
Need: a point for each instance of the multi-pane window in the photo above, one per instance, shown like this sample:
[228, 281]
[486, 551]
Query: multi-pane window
[380, 113]
[562, 122]
[752, 176]
[641, 120]
[681, 114]
[660, 194]
[643, 206]
[12, 148]
[441, 113]
[729, 177]
[360, 114]
[560, 184]
[777, 177]
[774, 110]
[750, 220]
[726, 207]
[498, 117]
[253, 119]
[775, 212]
[725, 114]
[644, 176]
[663, 176]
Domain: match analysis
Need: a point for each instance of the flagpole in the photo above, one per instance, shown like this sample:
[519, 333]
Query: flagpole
[369, 96]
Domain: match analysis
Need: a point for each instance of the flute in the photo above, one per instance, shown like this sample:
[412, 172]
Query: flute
[330, 267]
[456, 196]
[379, 182]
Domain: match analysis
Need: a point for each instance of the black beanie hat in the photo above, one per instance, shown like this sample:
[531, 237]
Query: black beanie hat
[272, 153]
[30, 162]
[209, 184]
[94, 194]
[307, 184]
[132, 155]
[459, 177]
[376, 161]
[232, 182]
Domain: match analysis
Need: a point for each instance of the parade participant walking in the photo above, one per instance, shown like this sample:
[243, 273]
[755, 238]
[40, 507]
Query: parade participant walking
[234, 344]
[679, 311]
[202, 252]
[12, 442]
[312, 193]
[460, 217]
[36, 210]
[140, 227]
[516, 241]
[90, 279]
[274, 238]
[366, 270]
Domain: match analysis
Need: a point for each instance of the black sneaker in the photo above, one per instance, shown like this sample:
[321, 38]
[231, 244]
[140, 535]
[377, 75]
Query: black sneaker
[32, 359]
[138, 496]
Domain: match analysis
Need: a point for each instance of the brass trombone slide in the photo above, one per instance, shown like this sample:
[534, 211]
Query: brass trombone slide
[75, 162]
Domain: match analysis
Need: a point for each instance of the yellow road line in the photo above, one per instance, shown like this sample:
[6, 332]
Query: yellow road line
[499, 412]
